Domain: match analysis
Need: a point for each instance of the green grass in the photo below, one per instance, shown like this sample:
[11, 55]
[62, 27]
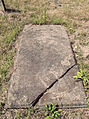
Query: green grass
[83, 39]
[52, 111]
[84, 76]
[42, 19]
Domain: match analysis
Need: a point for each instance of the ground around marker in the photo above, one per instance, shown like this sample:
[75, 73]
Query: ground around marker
[74, 15]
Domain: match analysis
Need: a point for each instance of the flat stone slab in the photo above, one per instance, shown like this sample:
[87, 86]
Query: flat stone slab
[44, 54]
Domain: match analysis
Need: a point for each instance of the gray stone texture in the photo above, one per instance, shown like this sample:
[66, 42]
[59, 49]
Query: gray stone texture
[43, 55]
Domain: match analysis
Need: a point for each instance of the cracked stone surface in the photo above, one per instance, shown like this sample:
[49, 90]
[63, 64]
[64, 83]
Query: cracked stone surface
[66, 92]
[43, 55]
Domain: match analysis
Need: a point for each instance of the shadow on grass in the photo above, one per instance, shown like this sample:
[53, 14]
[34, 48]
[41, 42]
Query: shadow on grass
[12, 10]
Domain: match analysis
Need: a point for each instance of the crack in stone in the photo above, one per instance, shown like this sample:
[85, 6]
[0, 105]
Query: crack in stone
[38, 98]
[64, 106]
[33, 103]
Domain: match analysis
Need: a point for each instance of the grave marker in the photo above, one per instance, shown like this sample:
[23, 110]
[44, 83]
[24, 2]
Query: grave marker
[44, 55]
[2, 5]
